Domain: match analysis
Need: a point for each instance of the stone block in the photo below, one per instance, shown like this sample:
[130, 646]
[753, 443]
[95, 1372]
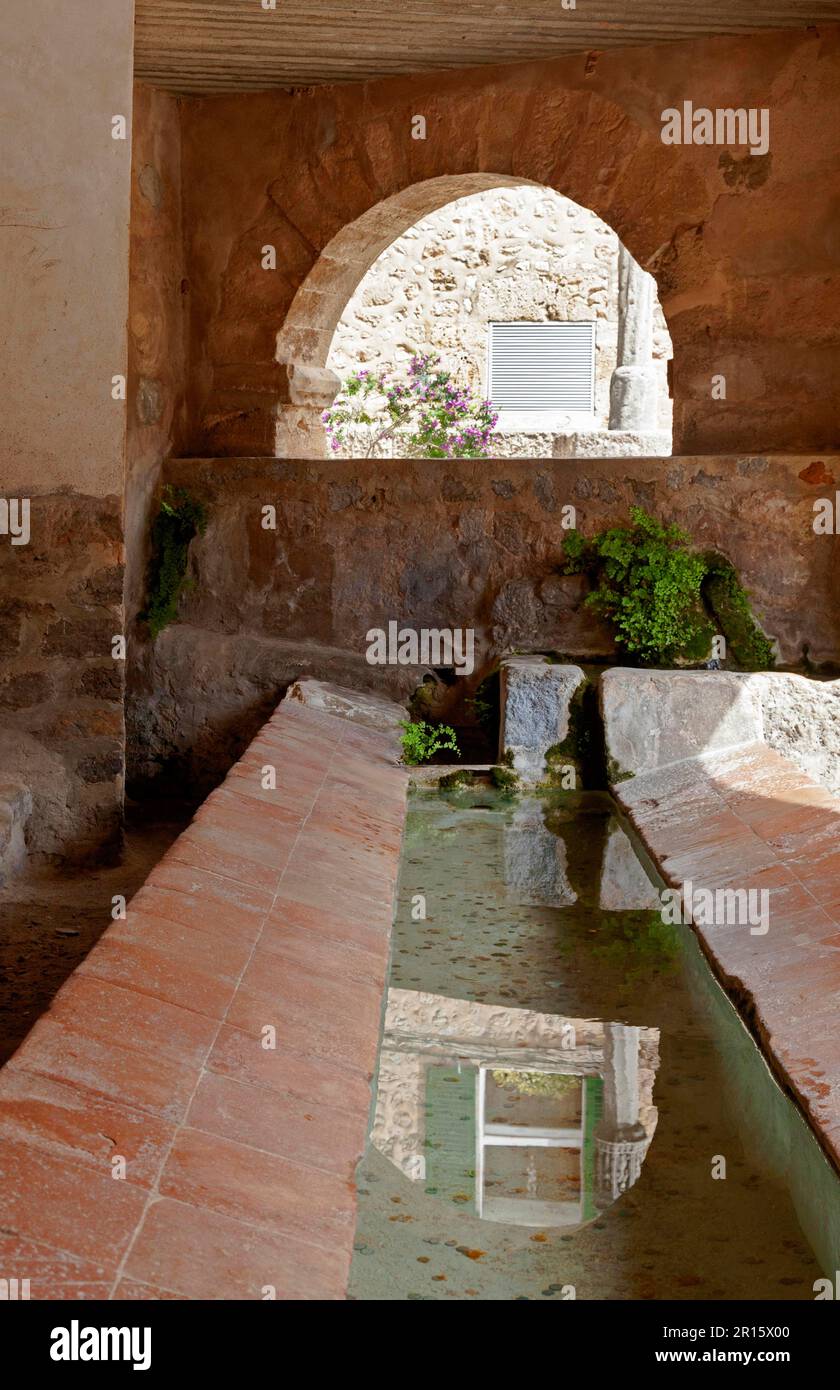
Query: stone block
[536, 698]
[15, 810]
[802, 721]
[655, 718]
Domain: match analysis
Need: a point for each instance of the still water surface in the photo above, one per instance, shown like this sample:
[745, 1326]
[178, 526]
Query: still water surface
[561, 1079]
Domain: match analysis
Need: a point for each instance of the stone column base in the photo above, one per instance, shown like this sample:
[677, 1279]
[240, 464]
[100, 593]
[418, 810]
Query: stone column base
[272, 411]
[633, 398]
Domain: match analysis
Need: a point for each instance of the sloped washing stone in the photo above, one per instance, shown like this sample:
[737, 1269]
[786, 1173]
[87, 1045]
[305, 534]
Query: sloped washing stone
[749, 820]
[157, 1039]
[536, 699]
[655, 718]
[371, 711]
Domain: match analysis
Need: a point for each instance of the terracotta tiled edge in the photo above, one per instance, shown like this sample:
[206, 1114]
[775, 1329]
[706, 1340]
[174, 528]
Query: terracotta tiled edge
[272, 911]
[745, 817]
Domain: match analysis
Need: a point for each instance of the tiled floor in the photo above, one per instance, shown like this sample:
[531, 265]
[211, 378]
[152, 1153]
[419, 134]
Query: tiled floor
[749, 819]
[221, 1042]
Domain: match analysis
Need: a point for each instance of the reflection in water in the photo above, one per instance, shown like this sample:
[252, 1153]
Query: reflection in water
[534, 1013]
[557, 1112]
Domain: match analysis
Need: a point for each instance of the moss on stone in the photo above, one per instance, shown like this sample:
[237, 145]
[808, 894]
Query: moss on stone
[575, 749]
[461, 777]
[729, 603]
[507, 758]
[556, 773]
[422, 699]
[504, 780]
[616, 773]
[179, 519]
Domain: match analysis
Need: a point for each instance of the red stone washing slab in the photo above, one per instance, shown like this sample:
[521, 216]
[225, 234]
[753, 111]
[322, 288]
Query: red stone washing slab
[53, 1273]
[763, 824]
[322, 1080]
[66, 1121]
[196, 1253]
[272, 910]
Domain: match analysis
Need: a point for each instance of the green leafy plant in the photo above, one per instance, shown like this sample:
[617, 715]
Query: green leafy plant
[431, 414]
[180, 518]
[664, 601]
[420, 741]
[485, 703]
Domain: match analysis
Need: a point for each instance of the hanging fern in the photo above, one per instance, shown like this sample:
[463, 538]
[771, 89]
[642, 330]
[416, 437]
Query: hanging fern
[664, 601]
[180, 518]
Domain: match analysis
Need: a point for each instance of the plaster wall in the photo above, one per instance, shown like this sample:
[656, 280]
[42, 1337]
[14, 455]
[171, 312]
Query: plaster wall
[156, 340]
[64, 225]
[65, 76]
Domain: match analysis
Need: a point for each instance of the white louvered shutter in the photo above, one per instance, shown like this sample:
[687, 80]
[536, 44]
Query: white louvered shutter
[542, 366]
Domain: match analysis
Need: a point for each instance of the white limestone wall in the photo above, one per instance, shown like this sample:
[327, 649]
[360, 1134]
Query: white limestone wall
[504, 255]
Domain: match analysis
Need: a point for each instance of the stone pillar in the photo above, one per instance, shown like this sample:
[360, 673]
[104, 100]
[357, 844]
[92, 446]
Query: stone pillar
[536, 699]
[67, 77]
[633, 385]
[621, 1140]
[300, 431]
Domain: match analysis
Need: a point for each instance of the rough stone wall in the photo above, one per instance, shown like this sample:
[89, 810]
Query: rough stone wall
[438, 544]
[743, 247]
[802, 721]
[61, 714]
[506, 255]
[63, 297]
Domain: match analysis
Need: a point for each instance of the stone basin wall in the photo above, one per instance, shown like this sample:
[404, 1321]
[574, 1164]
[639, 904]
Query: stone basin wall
[470, 544]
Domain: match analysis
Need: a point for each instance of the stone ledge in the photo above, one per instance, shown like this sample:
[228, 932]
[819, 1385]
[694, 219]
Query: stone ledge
[239, 1157]
[655, 718]
[652, 718]
[371, 711]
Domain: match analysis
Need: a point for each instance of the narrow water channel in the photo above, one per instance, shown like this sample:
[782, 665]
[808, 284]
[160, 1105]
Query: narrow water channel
[567, 1104]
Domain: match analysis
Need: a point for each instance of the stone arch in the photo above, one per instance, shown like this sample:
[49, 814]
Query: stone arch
[308, 330]
[338, 165]
[304, 340]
